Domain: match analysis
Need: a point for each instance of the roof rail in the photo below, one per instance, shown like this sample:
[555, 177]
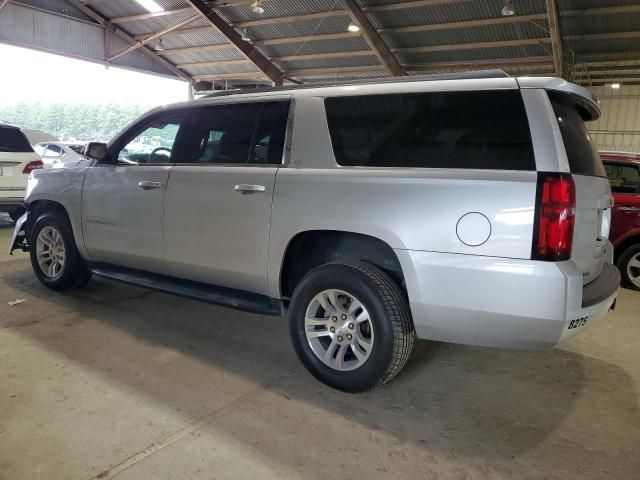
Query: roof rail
[466, 75]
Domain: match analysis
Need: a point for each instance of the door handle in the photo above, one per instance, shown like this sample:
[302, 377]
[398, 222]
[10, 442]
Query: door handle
[148, 185]
[247, 189]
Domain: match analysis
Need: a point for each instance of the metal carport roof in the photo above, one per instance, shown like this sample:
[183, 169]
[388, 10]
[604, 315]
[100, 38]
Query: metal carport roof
[588, 41]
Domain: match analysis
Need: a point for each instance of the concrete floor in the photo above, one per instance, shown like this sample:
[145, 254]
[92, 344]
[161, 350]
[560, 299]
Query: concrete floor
[116, 381]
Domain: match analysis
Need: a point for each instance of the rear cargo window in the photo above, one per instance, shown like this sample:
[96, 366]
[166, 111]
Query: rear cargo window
[13, 140]
[475, 130]
[623, 178]
[581, 151]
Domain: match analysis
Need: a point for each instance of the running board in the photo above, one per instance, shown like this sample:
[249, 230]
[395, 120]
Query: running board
[226, 297]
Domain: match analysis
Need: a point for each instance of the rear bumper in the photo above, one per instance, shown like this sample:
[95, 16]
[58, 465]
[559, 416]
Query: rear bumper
[501, 302]
[9, 204]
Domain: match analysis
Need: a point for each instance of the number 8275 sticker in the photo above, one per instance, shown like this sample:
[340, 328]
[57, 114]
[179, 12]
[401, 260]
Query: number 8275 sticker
[578, 322]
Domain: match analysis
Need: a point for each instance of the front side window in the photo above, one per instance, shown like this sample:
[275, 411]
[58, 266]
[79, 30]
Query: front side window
[475, 130]
[151, 146]
[623, 178]
[236, 134]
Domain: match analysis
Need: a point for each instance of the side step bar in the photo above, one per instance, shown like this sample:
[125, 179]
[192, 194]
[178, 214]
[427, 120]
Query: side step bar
[226, 297]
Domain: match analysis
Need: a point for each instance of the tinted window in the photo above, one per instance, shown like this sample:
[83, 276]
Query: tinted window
[432, 130]
[13, 140]
[581, 152]
[236, 134]
[623, 178]
[268, 141]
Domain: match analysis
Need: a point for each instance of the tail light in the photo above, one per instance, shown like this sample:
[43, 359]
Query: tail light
[31, 166]
[555, 217]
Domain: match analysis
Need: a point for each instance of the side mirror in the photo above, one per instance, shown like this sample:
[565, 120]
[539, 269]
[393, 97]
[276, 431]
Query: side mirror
[95, 150]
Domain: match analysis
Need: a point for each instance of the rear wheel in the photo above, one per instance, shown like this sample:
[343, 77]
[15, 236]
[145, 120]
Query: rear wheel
[351, 326]
[54, 256]
[629, 266]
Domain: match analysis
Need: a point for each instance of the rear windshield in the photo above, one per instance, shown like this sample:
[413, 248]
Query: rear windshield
[475, 130]
[13, 140]
[581, 151]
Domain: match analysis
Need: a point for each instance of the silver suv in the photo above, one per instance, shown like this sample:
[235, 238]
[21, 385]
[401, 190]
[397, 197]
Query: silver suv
[462, 208]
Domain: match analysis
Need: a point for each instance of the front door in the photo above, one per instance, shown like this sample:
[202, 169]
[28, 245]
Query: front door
[218, 199]
[123, 198]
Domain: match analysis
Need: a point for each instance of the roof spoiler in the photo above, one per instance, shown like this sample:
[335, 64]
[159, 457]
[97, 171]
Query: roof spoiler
[566, 92]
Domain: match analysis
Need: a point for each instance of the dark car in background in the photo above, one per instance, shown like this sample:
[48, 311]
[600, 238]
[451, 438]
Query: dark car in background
[623, 170]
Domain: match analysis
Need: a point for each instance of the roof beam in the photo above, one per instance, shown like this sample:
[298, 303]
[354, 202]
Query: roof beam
[607, 72]
[601, 11]
[386, 7]
[611, 80]
[125, 36]
[153, 36]
[473, 46]
[316, 56]
[604, 36]
[307, 38]
[180, 31]
[534, 62]
[231, 76]
[291, 18]
[373, 39]
[248, 50]
[554, 32]
[145, 16]
[200, 48]
[215, 63]
[466, 24]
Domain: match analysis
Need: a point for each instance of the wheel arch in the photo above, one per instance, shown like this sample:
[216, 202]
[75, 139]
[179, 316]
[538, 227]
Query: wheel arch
[631, 238]
[311, 248]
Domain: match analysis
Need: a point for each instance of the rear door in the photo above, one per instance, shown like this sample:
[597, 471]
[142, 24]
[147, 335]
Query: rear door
[218, 200]
[593, 194]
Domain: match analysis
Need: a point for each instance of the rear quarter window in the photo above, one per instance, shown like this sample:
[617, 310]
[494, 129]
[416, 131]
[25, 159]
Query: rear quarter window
[474, 130]
[581, 151]
[13, 140]
[623, 178]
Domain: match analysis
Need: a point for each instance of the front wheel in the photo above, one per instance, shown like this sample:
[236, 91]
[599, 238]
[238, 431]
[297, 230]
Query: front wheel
[54, 256]
[351, 326]
[629, 266]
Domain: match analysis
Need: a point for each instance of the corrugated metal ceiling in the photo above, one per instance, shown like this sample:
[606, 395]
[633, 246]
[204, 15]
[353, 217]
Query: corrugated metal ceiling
[578, 51]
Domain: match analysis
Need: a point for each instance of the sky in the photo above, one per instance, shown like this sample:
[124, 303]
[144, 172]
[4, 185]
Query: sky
[29, 75]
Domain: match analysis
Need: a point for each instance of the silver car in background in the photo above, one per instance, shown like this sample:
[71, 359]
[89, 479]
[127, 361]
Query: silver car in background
[462, 208]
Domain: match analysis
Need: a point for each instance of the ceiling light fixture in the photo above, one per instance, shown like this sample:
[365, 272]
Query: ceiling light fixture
[245, 36]
[256, 7]
[507, 9]
[159, 46]
[353, 28]
[150, 5]
[615, 86]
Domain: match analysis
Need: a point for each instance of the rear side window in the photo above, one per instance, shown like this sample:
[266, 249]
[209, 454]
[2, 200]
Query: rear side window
[623, 178]
[244, 133]
[13, 140]
[478, 130]
[581, 151]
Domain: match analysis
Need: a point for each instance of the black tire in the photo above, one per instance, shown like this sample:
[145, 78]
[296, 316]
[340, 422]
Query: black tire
[390, 317]
[623, 263]
[74, 273]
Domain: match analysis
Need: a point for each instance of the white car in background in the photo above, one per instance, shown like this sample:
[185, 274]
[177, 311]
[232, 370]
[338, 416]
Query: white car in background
[59, 152]
[17, 161]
